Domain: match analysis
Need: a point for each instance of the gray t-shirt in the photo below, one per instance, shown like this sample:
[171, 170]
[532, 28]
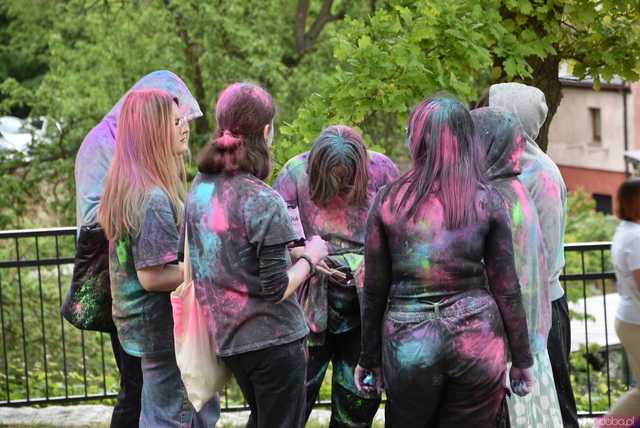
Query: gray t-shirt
[229, 220]
[144, 319]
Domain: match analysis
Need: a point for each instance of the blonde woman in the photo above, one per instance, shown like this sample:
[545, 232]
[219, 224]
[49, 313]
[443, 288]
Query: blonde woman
[140, 210]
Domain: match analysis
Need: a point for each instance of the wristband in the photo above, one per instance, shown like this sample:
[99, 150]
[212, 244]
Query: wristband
[307, 259]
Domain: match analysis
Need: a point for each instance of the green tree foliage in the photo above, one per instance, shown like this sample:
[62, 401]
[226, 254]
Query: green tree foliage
[93, 51]
[360, 63]
[584, 224]
[410, 49]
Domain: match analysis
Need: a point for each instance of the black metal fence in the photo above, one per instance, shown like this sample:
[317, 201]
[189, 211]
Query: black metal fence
[45, 360]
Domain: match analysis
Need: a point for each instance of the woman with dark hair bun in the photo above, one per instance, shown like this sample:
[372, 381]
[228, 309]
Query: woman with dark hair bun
[441, 294]
[238, 231]
[332, 187]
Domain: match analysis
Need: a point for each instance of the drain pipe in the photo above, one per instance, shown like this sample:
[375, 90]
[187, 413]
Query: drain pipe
[626, 130]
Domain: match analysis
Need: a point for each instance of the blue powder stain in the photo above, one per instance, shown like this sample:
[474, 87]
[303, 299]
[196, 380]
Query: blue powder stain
[422, 256]
[414, 352]
[201, 195]
[210, 247]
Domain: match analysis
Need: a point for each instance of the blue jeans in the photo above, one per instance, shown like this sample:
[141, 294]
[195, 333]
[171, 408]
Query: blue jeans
[164, 398]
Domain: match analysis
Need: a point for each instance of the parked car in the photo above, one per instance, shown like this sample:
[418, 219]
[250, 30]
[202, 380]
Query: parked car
[18, 134]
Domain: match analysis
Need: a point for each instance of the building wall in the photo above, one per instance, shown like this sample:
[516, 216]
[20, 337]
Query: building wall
[594, 181]
[596, 167]
[570, 134]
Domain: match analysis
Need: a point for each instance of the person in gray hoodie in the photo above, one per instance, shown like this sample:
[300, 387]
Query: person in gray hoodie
[500, 137]
[545, 184]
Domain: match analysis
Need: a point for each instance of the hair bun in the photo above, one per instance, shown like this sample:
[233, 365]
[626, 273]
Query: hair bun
[227, 141]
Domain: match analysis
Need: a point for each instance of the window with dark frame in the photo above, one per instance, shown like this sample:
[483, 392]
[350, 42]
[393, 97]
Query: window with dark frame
[604, 203]
[596, 125]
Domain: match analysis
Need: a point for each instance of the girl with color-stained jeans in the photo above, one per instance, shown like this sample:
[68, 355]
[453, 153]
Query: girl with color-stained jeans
[140, 212]
[501, 138]
[441, 295]
[239, 230]
[332, 187]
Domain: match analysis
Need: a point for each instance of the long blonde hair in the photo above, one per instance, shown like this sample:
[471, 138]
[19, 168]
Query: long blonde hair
[144, 158]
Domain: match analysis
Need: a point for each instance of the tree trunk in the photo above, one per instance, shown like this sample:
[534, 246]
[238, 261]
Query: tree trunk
[545, 78]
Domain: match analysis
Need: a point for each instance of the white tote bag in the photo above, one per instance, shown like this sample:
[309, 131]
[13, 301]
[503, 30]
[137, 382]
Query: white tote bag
[203, 374]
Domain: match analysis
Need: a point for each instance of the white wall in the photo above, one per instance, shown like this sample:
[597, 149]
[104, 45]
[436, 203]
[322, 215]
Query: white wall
[570, 134]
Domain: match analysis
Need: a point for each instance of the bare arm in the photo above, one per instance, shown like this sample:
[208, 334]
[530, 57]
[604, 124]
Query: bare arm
[161, 278]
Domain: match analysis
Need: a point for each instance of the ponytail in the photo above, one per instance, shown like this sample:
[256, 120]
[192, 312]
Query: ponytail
[242, 112]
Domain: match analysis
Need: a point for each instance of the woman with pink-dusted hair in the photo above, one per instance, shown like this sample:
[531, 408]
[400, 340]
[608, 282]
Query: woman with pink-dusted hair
[441, 294]
[140, 211]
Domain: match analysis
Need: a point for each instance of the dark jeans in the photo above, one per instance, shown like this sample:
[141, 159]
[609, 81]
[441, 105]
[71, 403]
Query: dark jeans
[445, 367]
[126, 412]
[347, 408]
[272, 382]
[559, 347]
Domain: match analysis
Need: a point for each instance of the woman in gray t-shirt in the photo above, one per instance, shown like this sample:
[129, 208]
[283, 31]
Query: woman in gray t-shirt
[239, 230]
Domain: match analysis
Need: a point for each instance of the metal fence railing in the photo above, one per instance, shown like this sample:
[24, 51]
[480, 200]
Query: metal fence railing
[43, 359]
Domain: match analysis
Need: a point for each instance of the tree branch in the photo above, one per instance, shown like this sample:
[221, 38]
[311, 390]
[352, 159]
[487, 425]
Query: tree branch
[305, 40]
[192, 57]
[301, 24]
[323, 18]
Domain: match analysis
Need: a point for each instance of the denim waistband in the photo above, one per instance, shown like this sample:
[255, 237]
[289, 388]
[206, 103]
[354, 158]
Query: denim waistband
[459, 304]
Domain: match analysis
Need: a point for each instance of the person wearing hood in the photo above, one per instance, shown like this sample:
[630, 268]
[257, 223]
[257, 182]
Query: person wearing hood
[500, 137]
[91, 167]
[545, 184]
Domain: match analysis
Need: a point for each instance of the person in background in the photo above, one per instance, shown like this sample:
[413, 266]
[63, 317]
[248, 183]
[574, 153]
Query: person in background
[441, 294]
[140, 211]
[239, 231]
[501, 139]
[545, 184]
[91, 166]
[332, 187]
[625, 254]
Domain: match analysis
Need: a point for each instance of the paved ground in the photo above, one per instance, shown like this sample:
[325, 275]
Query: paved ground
[98, 416]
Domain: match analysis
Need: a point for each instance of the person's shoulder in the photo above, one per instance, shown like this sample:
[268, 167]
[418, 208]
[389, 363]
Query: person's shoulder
[296, 164]
[98, 140]
[256, 188]
[489, 196]
[380, 160]
[157, 198]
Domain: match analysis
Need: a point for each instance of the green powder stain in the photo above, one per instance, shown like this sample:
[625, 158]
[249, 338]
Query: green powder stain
[425, 263]
[92, 298]
[122, 250]
[516, 214]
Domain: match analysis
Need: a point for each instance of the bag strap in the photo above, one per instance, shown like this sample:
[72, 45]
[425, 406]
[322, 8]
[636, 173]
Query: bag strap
[188, 274]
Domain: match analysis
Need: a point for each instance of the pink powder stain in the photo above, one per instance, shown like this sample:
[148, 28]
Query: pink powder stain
[217, 221]
[483, 346]
[169, 257]
[450, 148]
[236, 298]
[550, 187]
[517, 154]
